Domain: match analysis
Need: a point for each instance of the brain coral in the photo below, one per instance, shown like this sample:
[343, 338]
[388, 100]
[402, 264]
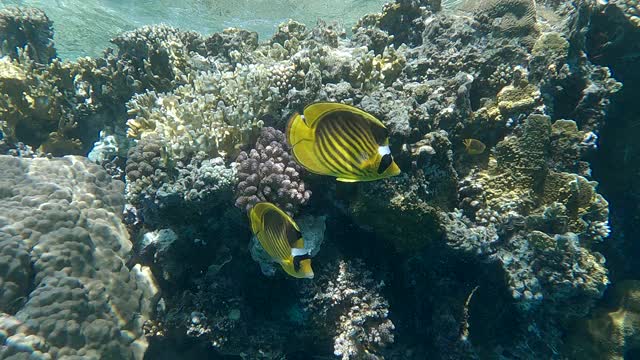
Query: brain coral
[66, 291]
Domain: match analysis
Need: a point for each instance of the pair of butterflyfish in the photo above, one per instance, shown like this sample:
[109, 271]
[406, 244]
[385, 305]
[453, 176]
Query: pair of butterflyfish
[327, 139]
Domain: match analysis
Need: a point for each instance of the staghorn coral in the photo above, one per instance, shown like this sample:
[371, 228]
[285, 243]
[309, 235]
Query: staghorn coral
[26, 30]
[345, 302]
[66, 290]
[269, 173]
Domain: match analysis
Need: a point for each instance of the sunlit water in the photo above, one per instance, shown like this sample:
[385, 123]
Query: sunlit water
[84, 27]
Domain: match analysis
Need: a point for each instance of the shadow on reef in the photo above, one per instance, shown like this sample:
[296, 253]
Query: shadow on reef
[613, 41]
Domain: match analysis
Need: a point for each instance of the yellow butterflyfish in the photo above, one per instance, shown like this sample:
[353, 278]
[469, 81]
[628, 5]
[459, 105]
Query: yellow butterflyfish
[343, 141]
[280, 236]
[473, 146]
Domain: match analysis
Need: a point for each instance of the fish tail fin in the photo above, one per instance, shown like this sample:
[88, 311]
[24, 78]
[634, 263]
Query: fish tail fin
[301, 138]
[298, 130]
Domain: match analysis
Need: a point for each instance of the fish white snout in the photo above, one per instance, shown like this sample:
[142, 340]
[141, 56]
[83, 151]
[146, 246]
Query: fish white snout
[384, 150]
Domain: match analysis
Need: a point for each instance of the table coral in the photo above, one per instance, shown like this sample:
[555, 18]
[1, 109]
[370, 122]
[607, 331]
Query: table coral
[66, 289]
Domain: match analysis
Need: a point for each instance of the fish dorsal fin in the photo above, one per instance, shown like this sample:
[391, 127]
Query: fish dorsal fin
[273, 228]
[316, 111]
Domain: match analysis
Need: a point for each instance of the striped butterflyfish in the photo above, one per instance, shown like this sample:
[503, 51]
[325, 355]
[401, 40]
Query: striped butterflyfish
[342, 141]
[280, 236]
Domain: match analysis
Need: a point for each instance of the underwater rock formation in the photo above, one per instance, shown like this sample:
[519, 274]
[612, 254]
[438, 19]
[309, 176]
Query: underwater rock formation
[611, 332]
[66, 289]
[269, 173]
[27, 30]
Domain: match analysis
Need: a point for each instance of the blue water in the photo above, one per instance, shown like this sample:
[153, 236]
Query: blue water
[84, 27]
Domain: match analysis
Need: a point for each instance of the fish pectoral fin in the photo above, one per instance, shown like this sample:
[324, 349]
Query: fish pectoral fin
[347, 180]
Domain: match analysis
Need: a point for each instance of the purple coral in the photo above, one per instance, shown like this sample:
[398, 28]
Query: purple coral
[269, 173]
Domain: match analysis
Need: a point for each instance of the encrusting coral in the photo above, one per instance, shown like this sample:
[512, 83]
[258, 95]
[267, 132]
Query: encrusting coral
[66, 289]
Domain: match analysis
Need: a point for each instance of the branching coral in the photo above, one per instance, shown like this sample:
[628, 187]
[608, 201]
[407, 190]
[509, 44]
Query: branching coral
[269, 173]
[157, 57]
[216, 113]
[66, 290]
[346, 302]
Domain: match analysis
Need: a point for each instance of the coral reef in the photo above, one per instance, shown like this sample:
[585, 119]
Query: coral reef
[523, 220]
[520, 190]
[269, 173]
[157, 188]
[346, 302]
[66, 290]
[26, 30]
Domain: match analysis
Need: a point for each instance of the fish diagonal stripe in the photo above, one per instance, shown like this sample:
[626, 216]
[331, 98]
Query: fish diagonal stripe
[364, 129]
[344, 149]
[324, 152]
[283, 244]
[322, 157]
[272, 241]
[364, 146]
[361, 135]
[342, 152]
[348, 141]
[277, 240]
[268, 239]
[336, 156]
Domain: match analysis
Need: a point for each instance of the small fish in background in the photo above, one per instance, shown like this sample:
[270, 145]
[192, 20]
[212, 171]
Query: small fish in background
[343, 141]
[474, 146]
[280, 236]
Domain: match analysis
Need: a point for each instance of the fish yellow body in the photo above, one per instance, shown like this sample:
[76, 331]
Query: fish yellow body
[342, 141]
[280, 236]
[473, 146]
